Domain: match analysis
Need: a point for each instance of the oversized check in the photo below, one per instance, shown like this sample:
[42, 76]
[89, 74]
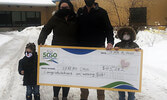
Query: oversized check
[94, 68]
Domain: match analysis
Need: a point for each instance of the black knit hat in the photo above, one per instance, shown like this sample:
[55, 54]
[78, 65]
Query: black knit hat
[31, 46]
[68, 2]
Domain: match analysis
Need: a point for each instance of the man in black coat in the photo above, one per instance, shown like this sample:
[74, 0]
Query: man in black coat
[94, 28]
[28, 68]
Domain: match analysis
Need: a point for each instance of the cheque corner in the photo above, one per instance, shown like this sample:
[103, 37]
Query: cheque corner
[120, 85]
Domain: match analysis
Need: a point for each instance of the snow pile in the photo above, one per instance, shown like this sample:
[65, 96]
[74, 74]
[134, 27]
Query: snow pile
[153, 43]
[149, 38]
[38, 28]
[4, 39]
[34, 32]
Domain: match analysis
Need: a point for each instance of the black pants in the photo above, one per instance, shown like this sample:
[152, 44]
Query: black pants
[57, 89]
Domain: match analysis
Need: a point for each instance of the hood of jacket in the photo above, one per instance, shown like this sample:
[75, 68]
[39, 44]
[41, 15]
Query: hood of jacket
[128, 30]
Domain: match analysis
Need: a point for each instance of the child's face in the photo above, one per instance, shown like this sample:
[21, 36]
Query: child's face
[126, 36]
[28, 50]
[28, 53]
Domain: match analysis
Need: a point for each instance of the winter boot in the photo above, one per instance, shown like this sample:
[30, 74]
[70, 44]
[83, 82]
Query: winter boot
[37, 97]
[55, 98]
[64, 98]
[28, 97]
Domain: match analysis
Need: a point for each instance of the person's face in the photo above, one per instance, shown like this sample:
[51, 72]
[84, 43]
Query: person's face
[28, 53]
[89, 3]
[126, 36]
[28, 50]
[64, 6]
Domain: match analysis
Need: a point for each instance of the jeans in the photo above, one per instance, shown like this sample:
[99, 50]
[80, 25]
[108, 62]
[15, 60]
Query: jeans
[85, 93]
[32, 89]
[57, 89]
[131, 95]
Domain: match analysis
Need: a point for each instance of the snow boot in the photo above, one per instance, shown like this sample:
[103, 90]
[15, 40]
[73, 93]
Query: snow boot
[64, 98]
[28, 97]
[37, 97]
[55, 98]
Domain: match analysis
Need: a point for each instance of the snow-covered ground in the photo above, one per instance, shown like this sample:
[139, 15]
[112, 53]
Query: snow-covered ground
[12, 45]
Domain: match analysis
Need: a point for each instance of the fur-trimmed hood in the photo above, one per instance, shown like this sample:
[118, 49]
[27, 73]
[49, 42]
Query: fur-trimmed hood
[129, 30]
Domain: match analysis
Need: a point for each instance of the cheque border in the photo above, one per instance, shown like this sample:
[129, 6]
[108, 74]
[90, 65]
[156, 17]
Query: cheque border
[89, 48]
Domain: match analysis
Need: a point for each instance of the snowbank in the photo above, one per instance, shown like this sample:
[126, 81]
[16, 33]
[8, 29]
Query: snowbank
[149, 37]
[153, 43]
[4, 39]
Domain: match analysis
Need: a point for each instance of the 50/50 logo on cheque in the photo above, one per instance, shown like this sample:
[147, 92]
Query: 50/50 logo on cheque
[49, 55]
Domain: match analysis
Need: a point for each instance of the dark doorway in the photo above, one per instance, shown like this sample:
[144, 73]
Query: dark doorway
[5, 19]
[138, 16]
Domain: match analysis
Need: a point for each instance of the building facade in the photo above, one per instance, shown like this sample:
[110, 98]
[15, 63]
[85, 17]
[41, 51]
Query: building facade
[133, 12]
[121, 12]
[24, 14]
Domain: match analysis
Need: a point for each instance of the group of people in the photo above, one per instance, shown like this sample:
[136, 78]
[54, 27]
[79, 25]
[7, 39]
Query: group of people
[90, 27]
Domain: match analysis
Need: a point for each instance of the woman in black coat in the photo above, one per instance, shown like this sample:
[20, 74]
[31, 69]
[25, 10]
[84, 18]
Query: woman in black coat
[28, 68]
[63, 24]
[64, 27]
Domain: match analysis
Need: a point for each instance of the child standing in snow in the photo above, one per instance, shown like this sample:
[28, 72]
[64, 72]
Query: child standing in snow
[28, 68]
[127, 35]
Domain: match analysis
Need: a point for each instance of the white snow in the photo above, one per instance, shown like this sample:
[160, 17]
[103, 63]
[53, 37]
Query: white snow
[12, 46]
[4, 39]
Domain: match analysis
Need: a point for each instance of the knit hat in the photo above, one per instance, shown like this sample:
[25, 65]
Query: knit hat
[31, 46]
[68, 2]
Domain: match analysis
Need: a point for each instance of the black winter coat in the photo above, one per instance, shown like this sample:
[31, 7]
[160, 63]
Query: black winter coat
[127, 45]
[29, 66]
[94, 27]
[64, 32]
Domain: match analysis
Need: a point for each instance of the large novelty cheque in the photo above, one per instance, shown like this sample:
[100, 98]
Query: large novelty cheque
[94, 68]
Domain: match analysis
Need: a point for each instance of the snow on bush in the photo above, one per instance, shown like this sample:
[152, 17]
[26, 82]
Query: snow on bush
[150, 37]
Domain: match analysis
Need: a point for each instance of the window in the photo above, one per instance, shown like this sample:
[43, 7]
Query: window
[19, 18]
[5, 19]
[138, 16]
[16, 19]
[33, 18]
